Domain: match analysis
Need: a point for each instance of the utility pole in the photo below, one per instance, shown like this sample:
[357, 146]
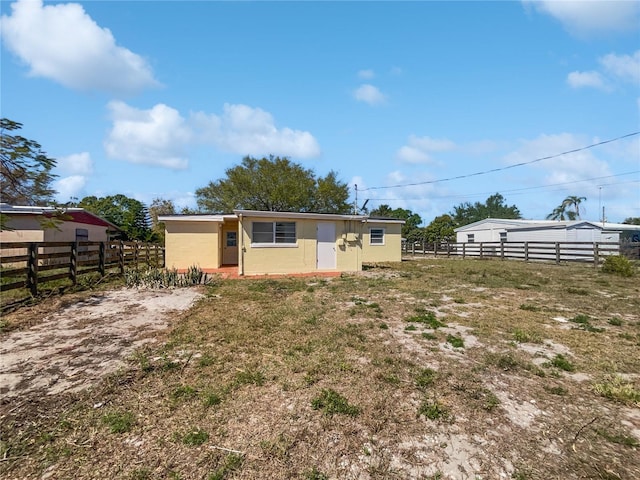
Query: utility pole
[600, 202]
[355, 204]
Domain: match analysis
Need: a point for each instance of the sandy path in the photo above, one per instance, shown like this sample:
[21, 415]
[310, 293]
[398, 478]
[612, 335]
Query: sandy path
[74, 347]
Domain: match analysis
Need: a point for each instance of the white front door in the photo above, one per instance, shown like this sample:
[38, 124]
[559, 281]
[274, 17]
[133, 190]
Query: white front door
[230, 248]
[326, 246]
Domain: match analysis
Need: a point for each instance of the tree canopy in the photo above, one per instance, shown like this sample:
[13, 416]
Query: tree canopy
[127, 213]
[274, 184]
[494, 207]
[411, 229]
[160, 206]
[632, 221]
[440, 229]
[25, 170]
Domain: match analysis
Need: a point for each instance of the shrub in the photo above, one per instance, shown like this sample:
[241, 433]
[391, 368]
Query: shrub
[158, 278]
[618, 265]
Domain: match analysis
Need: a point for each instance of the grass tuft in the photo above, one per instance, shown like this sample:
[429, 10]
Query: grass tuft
[619, 390]
[119, 422]
[331, 402]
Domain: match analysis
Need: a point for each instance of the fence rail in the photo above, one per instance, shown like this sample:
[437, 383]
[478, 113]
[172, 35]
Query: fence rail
[23, 263]
[586, 252]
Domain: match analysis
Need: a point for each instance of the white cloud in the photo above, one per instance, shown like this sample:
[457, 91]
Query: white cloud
[152, 137]
[160, 136]
[366, 74]
[252, 131]
[76, 164]
[585, 17]
[63, 43]
[419, 149]
[74, 170]
[369, 94]
[69, 187]
[587, 79]
[616, 68]
[624, 67]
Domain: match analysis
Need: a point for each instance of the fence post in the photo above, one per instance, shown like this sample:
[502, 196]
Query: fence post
[413, 249]
[435, 248]
[73, 263]
[101, 259]
[448, 249]
[464, 245]
[32, 273]
[121, 256]
[156, 247]
[480, 250]
[526, 251]
[557, 253]
[596, 255]
[501, 250]
[147, 255]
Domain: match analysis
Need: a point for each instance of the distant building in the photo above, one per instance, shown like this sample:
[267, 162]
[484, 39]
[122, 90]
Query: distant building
[25, 224]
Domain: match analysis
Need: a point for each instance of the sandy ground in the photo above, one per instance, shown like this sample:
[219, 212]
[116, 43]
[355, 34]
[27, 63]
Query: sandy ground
[73, 348]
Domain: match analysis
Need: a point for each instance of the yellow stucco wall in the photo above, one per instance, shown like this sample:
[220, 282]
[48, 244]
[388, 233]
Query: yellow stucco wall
[391, 251]
[191, 243]
[300, 257]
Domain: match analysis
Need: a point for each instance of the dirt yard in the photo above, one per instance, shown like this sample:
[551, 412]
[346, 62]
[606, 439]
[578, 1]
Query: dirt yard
[73, 347]
[429, 369]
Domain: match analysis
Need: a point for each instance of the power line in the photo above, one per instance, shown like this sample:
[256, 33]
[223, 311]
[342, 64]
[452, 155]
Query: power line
[519, 189]
[459, 177]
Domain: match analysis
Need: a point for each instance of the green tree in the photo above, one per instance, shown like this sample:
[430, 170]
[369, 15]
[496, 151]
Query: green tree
[274, 184]
[632, 221]
[25, 170]
[569, 209]
[160, 206]
[127, 213]
[440, 229]
[411, 229]
[494, 207]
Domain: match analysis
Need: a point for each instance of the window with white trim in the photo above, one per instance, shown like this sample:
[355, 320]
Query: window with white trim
[471, 237]
[273, 232]
[503, 236]
[376, 236]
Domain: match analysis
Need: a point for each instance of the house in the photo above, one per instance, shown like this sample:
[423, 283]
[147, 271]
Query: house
[25, 224]
[264, 243]
[504, 230]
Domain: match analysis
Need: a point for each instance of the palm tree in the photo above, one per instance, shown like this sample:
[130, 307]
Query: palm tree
[573, 201]
[563, 212]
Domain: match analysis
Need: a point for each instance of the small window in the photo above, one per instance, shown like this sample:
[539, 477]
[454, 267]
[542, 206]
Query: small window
[274, 232]
[376, 236]
[471, 238]
[503, 236]
[82, 235]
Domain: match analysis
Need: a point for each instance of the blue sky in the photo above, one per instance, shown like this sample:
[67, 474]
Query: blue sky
[157, 98]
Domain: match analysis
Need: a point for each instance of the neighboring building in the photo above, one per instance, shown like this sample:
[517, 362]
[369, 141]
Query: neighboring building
[263, 243]
[501, 230]
[24, 224]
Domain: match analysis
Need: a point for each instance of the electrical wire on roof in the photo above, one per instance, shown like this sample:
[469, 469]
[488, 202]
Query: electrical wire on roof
[459, 177]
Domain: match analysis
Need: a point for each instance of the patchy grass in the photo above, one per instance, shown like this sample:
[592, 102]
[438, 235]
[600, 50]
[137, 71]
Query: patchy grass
[315, 379]
[331, 402]
[119, 422]
[618, 389]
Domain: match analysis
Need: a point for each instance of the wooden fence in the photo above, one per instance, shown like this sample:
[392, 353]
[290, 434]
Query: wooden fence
[587, 252]
[27, 264]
